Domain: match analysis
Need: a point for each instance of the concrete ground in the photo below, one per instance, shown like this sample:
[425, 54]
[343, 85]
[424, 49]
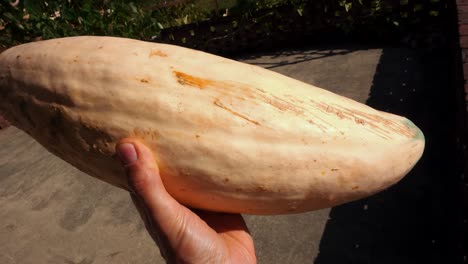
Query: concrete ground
[52, 213]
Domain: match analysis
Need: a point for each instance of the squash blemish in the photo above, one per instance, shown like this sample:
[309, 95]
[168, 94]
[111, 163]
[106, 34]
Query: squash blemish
[157, 53]
[186, 79]
[219, 104]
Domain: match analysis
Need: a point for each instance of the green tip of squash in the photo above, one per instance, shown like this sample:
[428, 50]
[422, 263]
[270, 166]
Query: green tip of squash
[418, 134]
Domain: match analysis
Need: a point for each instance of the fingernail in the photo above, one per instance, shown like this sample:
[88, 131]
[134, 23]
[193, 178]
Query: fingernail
[127, 153]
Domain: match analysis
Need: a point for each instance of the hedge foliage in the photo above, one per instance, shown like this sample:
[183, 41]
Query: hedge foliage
[27, 20]
[32, 19]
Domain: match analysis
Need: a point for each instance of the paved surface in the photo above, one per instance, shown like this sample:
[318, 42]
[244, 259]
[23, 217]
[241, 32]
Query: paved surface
[52, 213]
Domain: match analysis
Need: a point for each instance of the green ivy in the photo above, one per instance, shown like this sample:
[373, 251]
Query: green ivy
[33, 19]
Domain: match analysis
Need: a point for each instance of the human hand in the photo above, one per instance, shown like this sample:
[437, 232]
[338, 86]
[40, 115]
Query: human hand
[182, 235]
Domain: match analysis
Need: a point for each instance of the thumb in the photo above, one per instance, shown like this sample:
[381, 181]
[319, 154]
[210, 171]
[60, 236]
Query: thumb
[145, 181]
[171, 224]
[141, 169]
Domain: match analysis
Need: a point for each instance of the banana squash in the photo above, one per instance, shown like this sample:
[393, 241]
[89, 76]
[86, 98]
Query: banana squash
[227, 136]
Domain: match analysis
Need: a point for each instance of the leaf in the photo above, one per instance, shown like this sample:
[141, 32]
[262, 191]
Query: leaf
[418, 7]
[348, 6]
[11, 17]
[39, 25]
[133, 7]
[434, 13]
[377, 5]
[68, 14]
[33, 6]
[403, 2]
[160, 25]
[300, 11]
[87, 7]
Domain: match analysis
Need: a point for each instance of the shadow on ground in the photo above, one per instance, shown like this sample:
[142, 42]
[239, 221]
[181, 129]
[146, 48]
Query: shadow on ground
[296, 56]
[415, 221]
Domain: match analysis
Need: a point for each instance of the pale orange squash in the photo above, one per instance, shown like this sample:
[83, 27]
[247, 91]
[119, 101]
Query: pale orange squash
[227, 136]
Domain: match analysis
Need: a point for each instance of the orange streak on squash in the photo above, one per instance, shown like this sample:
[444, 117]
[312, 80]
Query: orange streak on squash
[157, 53]
[186, 79]
[218, 103]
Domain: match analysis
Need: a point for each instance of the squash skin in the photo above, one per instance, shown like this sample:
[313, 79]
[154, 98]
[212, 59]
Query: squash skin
[227, 136]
